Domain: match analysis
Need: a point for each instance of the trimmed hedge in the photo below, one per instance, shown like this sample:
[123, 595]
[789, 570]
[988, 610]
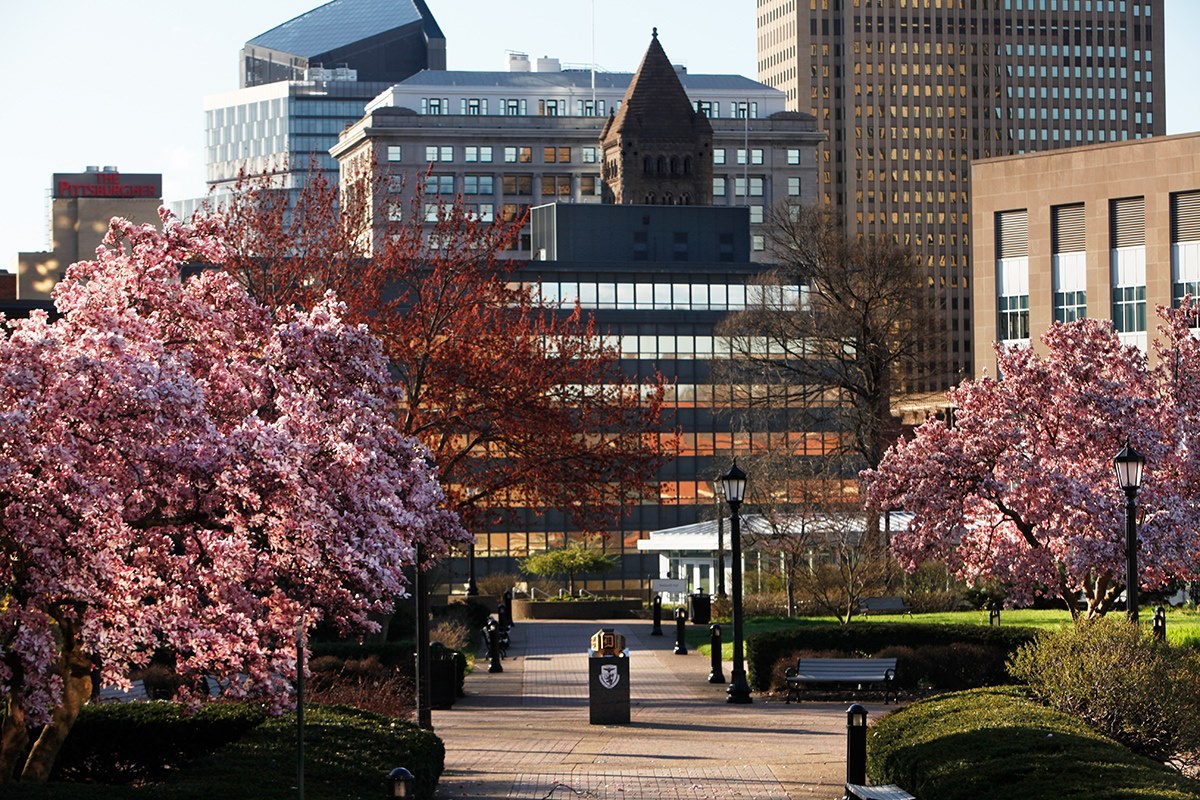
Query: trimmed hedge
[348, 753]
[764, 650]
[119, 743]
[995, 744]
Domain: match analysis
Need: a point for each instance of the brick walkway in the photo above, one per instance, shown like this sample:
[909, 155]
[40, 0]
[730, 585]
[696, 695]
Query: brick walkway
[524, 733]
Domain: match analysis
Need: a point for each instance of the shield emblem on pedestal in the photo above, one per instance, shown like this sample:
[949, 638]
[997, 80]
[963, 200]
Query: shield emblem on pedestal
[610, 676]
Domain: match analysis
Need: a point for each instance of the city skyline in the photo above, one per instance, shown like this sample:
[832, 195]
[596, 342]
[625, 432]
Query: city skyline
[142, 108]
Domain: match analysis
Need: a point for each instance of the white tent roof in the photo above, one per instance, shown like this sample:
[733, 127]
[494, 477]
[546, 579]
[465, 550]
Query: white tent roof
[702, 536]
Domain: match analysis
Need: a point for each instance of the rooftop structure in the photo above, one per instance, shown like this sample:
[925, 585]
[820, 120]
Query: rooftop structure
[383, 40]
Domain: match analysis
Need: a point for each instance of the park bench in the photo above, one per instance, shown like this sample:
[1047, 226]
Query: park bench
[884, 605]
[858, 671]
[113, 694]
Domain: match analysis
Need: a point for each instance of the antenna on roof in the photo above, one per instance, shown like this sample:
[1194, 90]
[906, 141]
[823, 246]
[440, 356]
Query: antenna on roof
[593, 56]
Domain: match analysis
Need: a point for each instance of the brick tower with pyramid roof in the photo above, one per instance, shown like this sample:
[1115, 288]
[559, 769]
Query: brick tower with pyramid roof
[657, 148]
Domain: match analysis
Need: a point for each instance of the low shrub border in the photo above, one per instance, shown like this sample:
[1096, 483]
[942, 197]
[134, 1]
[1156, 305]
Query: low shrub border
[764, 650]
[348, 753]
[994, 743]
[575, 609]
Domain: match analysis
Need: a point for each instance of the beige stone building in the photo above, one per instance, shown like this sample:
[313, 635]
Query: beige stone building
[1110, 231]
[82, 206]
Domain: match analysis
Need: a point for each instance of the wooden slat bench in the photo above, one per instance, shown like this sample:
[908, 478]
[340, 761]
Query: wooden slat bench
[884, 605]
[841, 670]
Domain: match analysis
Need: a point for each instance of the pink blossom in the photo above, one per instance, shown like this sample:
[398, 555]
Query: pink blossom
[1021, 487]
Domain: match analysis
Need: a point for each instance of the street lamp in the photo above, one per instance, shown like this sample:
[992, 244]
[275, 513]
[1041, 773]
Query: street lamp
[719, 491]
[734, 484]
[1129, 464]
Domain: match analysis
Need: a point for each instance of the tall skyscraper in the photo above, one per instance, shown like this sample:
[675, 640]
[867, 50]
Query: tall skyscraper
[909, 92]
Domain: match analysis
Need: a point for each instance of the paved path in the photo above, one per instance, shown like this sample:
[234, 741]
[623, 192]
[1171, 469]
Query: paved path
[524, 733]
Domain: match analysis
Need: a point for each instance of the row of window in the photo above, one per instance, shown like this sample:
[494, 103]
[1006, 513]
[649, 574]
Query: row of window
[667, 296]
[513, 185]
[483, 154]
[514, 107]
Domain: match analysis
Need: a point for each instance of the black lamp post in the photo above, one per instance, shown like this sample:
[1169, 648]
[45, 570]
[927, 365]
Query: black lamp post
[472, 587]
[1129, 464]
[734, 484]
[719, 491]
[421, 590]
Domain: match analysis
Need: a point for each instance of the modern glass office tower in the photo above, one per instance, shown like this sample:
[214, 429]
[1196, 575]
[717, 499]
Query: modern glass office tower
[383, 40]
[307, 79]
[910, 92]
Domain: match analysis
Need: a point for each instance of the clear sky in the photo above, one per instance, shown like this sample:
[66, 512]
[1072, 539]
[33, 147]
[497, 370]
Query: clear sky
[123, 82]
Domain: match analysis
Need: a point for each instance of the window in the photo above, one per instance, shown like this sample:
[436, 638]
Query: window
[511, 212]
[756, 215]
[556, 155]
[758, 243]
[1185, 246]
[484, 212]
[518, 184]
[477, 184]
[708, 108]
[395, 212]
[756, 187]
[1069, 262]
[439, 184]
[1012, 275]
[436, 153]
[1127, 218]
[793, 187]
[1013, 318]
[512, 108]
[556, 186]
[718, 187]
[433, 211]
[793, 156]
[435, 105]
[552, 108]
[718, 155]
[474, 106]
[589, 185]
[756, 156]
[518, 155]
[473, 154]
[588, 108]
[589, 155]
[740, 109]
[395, 152]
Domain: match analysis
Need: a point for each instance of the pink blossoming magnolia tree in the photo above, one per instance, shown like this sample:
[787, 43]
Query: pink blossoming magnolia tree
[182, 469]
[1022, 489]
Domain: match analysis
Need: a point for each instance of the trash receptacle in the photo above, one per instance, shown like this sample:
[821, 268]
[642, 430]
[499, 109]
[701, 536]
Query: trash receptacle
[443, 678]
[700, 609]
[608, 679]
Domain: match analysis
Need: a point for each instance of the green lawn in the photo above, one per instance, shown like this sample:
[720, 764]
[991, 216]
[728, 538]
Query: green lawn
[1183, 626]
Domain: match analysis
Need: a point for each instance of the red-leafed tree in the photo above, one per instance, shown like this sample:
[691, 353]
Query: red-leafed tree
[522, 404]
[1021, 487]
[182, 470]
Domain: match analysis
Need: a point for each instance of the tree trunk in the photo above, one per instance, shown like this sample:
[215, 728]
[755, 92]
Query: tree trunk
[76, 669]
[14, 738]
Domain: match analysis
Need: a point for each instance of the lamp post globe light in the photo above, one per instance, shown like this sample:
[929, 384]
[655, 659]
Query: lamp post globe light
[1129, 464]
[733, 484]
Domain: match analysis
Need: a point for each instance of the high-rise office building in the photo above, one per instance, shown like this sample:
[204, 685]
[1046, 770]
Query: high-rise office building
[305, 80]
[910, 92]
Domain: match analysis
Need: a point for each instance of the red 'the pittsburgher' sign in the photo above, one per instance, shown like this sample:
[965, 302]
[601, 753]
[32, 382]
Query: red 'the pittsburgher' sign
[106, 184]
